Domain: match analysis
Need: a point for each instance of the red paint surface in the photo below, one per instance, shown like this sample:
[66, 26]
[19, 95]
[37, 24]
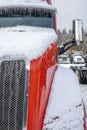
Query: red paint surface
[48, 1]
[85, 118]
[41, 75]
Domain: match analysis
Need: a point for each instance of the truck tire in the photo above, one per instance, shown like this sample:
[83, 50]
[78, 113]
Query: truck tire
[72, 68]
[80, 79]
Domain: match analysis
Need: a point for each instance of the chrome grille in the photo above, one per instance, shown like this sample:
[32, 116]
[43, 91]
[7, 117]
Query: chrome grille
[12, 83]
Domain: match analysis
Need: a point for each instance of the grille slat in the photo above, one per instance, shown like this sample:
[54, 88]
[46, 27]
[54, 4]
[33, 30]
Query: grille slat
[12, 83]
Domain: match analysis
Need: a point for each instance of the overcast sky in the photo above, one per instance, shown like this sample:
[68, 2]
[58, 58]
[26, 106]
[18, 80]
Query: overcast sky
[69, 10]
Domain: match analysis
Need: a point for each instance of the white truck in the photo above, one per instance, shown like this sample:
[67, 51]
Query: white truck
[78, 59]
[35, 92]
[80, 68]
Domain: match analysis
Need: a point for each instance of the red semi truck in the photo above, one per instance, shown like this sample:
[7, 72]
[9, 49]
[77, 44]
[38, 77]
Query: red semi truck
[28, 70]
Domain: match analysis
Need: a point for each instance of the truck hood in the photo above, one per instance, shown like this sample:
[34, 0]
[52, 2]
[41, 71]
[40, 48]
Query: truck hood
[29, 42]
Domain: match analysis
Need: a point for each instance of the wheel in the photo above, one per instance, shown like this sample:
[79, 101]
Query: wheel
[72, 68]
[80, 79]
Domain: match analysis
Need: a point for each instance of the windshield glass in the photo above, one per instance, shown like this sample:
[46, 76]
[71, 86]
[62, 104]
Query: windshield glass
[28, 21]
[10, 17]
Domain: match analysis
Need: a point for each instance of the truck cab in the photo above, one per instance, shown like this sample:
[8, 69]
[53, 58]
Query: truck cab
[28, 64]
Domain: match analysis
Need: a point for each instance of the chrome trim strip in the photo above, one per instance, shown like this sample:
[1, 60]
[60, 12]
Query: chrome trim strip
[27, 77]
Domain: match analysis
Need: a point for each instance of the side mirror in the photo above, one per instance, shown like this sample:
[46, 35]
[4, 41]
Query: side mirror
[78, 31]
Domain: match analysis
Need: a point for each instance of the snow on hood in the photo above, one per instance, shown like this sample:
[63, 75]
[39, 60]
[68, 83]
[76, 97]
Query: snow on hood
[65, 109]
[27, 3]
[30, 42]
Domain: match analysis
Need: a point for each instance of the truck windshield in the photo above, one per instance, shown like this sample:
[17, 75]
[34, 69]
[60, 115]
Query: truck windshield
[27, 21]
[10, 17]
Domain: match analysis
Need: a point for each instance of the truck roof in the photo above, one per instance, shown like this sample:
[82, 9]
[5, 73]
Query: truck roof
[26, 3]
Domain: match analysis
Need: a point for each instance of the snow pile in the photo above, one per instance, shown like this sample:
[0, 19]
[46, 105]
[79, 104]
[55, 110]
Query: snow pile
[29, 42]
[64, 111]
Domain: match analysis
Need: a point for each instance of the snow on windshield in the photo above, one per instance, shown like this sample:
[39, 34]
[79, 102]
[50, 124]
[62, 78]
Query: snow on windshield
[30, 42]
